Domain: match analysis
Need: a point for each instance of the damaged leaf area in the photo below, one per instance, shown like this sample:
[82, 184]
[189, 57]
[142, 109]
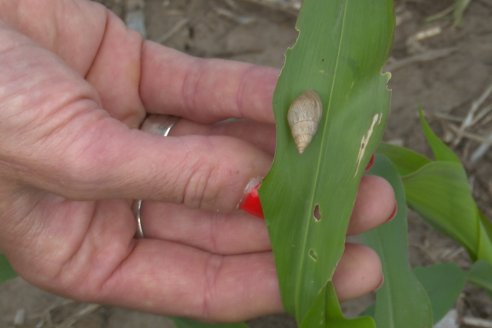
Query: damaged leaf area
[308, 197]
[376, 120]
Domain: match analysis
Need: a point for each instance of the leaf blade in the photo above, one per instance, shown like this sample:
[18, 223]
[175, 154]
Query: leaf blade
[326, 312]
[405, 160]
[189, 323]
[334, 57]
[6, 270]
[444, 283]
[401, 296]
[439, 148]
[480, 274]
[439, 192]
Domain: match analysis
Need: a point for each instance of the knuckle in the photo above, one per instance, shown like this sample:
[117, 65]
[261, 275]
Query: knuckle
[199, 185]
[195, 192]
[216, 179]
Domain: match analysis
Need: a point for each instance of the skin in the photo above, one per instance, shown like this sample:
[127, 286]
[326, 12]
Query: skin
[75, 85]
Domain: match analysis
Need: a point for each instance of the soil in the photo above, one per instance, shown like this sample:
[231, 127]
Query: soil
[259, 31]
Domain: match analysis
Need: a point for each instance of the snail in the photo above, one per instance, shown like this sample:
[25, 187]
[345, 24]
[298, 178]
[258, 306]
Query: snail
[303, 117]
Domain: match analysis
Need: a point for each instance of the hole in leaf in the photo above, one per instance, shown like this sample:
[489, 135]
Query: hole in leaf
[317, 213]
[313, 255]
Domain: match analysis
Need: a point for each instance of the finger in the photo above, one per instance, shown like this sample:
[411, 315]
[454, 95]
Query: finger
[375, 205]
[358, 273]
[108, 160]
[73, 148]
[106, 265]
[204, 90]
[219, 233]
[213, 231]
[101, 261]
[182, 281]
[261, 135]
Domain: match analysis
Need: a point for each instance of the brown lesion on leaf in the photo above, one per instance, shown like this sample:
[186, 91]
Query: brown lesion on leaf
[316, 213]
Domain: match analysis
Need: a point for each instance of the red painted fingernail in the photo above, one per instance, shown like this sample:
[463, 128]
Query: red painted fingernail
[393, 213]
[251, 201]
[371, 163]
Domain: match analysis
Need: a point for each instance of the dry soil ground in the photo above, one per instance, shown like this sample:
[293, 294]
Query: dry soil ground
[434, 65]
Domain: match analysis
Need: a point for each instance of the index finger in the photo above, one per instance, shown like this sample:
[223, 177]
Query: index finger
[204, 90]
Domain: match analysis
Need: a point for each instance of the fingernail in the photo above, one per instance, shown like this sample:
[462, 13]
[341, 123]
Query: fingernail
[393, 213]
[251, 200]
[371, 163]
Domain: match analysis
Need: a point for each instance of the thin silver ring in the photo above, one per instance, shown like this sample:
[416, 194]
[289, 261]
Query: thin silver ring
[156, 124]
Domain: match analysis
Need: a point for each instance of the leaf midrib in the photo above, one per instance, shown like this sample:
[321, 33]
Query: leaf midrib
[319, 159]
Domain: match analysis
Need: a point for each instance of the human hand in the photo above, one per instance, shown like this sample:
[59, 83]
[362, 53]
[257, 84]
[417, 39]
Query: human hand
[75, 85]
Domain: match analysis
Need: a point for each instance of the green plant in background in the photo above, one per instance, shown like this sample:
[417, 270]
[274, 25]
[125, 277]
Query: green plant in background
[459, 10]
[6, 271]
[439, 191]
[402, 296]
[308, 197]
[455, 11]
[188, 323]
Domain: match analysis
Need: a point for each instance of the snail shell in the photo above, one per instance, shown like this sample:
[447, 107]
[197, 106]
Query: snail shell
[303, 117]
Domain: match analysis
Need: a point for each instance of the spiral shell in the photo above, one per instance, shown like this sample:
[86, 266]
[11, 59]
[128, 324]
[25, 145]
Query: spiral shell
[303, 117]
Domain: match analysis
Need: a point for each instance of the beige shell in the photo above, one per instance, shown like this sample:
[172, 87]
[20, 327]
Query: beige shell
[303, 116]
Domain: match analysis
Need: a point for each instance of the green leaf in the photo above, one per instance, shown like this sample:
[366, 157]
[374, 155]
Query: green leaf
[480, 274]
[405, 160]
[326, 312]
[189, 323]
[401, 301]
[444, 283]
[459, 10]
[341, 48]
[6, 271]
[439, 192]
[441, 151]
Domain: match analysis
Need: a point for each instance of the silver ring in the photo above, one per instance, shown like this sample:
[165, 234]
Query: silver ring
[156, 124]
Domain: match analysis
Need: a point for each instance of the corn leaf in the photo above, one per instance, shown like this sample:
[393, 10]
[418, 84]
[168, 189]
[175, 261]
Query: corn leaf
[480, 274]
[308, 198]
[439, 149]
[402, 300]
[326, 312]
[6, 271]
[189, 323]
[443, 283]
[459, 10]
[439, 191]
[405, 160]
